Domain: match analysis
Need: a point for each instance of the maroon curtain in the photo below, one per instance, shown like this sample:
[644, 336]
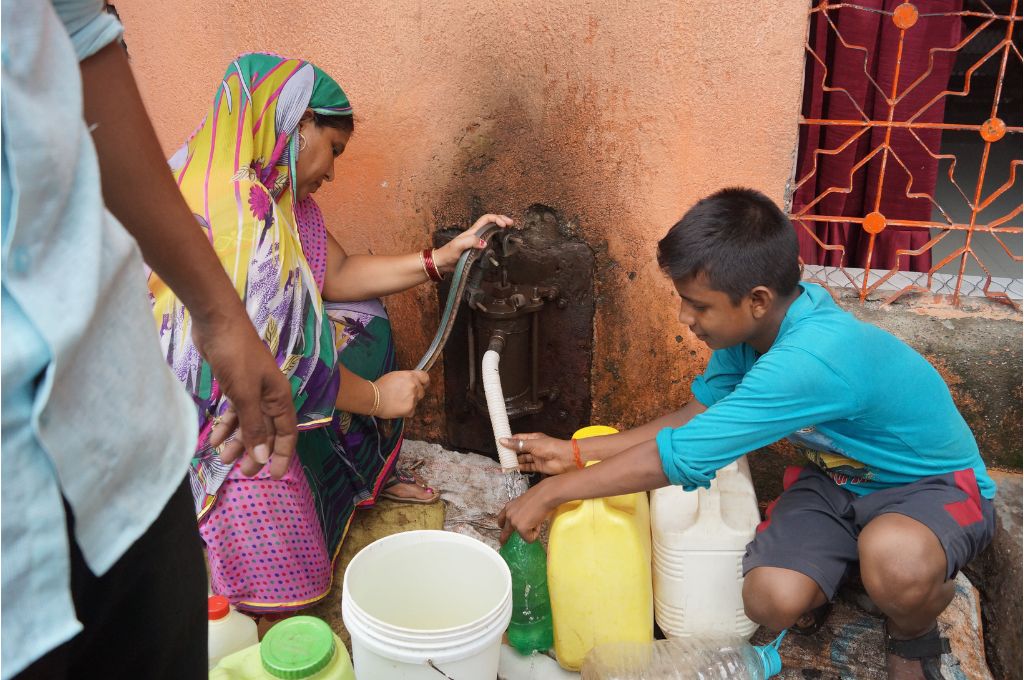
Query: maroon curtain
[848, 67]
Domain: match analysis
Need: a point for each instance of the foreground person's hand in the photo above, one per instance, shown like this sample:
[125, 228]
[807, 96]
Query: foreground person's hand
[260, 397]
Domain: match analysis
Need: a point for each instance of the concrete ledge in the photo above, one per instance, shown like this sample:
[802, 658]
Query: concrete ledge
[977, 349]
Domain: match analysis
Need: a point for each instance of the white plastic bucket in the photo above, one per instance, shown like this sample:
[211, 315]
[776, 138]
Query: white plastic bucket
[420, 602]
[698, 539]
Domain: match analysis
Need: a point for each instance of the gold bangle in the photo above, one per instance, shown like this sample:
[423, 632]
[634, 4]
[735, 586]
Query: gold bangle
[376, 399]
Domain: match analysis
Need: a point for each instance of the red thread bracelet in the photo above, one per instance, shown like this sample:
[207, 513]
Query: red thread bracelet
[576, 454]
[432, 271]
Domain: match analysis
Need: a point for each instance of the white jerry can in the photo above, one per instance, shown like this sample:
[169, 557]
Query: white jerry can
[698, 541]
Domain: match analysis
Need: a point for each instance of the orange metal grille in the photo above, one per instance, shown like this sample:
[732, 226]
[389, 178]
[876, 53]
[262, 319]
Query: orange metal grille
[963, 212]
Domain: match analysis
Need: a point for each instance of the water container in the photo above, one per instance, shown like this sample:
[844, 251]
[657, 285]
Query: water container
[530, 629]
[688, 658]
[299, 648]
[599, 572]
[699, 539]
[422, 605]
[229, 630]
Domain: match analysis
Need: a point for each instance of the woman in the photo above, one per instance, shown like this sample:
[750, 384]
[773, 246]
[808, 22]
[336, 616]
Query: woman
[270, 142]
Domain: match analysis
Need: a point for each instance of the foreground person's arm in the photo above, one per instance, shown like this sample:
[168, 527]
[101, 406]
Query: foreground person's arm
[140, 191]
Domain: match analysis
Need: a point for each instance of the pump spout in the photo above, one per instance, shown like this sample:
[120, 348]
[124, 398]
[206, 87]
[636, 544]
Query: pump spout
[495, 397]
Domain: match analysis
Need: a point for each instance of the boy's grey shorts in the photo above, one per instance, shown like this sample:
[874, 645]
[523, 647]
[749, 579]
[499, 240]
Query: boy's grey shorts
[813, 526]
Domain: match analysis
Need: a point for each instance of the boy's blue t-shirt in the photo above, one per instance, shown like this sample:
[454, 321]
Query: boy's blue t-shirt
[865, 407]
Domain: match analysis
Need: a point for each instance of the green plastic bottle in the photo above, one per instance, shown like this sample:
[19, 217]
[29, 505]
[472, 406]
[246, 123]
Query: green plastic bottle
[530, 630]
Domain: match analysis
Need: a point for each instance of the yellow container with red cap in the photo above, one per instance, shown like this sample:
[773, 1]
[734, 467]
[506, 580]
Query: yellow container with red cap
[599, 571]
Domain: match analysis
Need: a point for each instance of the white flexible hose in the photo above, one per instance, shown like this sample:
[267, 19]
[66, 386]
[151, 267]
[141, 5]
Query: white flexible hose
[496, 408]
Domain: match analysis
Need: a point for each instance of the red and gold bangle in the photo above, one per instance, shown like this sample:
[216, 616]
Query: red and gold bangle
[428, 264]
[423, 263]
[576, 454]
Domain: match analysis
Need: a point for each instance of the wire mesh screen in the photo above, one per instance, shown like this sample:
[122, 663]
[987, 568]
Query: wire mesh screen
[908, 176]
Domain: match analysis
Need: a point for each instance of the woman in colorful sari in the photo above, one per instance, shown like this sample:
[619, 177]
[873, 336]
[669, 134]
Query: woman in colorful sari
[270, 141]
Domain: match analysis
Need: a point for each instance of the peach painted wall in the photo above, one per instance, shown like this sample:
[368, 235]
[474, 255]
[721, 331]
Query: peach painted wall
[617, 114]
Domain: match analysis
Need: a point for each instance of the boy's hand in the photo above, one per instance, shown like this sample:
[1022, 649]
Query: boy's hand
[525, 514]
[260, 396]
[538, 452]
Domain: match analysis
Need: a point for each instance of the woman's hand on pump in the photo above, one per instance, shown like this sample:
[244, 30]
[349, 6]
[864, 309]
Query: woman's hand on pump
[538, 452]
[447, 256]
[400, 392]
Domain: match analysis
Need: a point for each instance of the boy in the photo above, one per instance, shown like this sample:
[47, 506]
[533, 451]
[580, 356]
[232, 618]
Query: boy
[895, 480]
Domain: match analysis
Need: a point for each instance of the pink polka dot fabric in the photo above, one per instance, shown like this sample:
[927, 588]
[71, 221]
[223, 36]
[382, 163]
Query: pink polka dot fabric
[264, 542]
[313, 236]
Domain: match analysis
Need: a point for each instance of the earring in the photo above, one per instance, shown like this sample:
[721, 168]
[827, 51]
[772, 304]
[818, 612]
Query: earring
[302, 142]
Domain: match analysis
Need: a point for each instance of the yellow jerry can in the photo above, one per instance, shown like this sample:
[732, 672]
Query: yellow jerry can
[599, 571]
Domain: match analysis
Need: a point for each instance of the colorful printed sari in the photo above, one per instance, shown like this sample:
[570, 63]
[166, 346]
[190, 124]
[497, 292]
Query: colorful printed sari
[271, 542]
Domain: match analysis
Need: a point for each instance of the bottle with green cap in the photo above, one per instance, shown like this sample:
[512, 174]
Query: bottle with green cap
[299, 648]
[686, 658]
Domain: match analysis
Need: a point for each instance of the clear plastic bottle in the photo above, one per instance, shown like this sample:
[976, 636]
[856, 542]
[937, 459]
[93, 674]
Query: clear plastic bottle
[530, 630]
[683, 659]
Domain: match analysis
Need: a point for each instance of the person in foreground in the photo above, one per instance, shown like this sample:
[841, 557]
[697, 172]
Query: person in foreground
[271, 139]
[894, 481]
[102, 566]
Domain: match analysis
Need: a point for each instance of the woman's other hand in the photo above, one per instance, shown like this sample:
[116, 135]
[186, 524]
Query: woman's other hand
[540, 453]
[447, 256]
[400, 391]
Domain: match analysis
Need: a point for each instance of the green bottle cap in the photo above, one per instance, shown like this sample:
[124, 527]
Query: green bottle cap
[296, 648]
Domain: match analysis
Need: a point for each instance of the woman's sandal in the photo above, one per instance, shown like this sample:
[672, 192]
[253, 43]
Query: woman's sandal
[818, 617]
[406, 476]
[927, 649]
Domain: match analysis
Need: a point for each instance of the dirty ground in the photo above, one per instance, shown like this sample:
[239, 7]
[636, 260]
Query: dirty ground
[847, 648]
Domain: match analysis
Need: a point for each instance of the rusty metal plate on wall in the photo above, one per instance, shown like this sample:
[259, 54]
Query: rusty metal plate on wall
[547, 256]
